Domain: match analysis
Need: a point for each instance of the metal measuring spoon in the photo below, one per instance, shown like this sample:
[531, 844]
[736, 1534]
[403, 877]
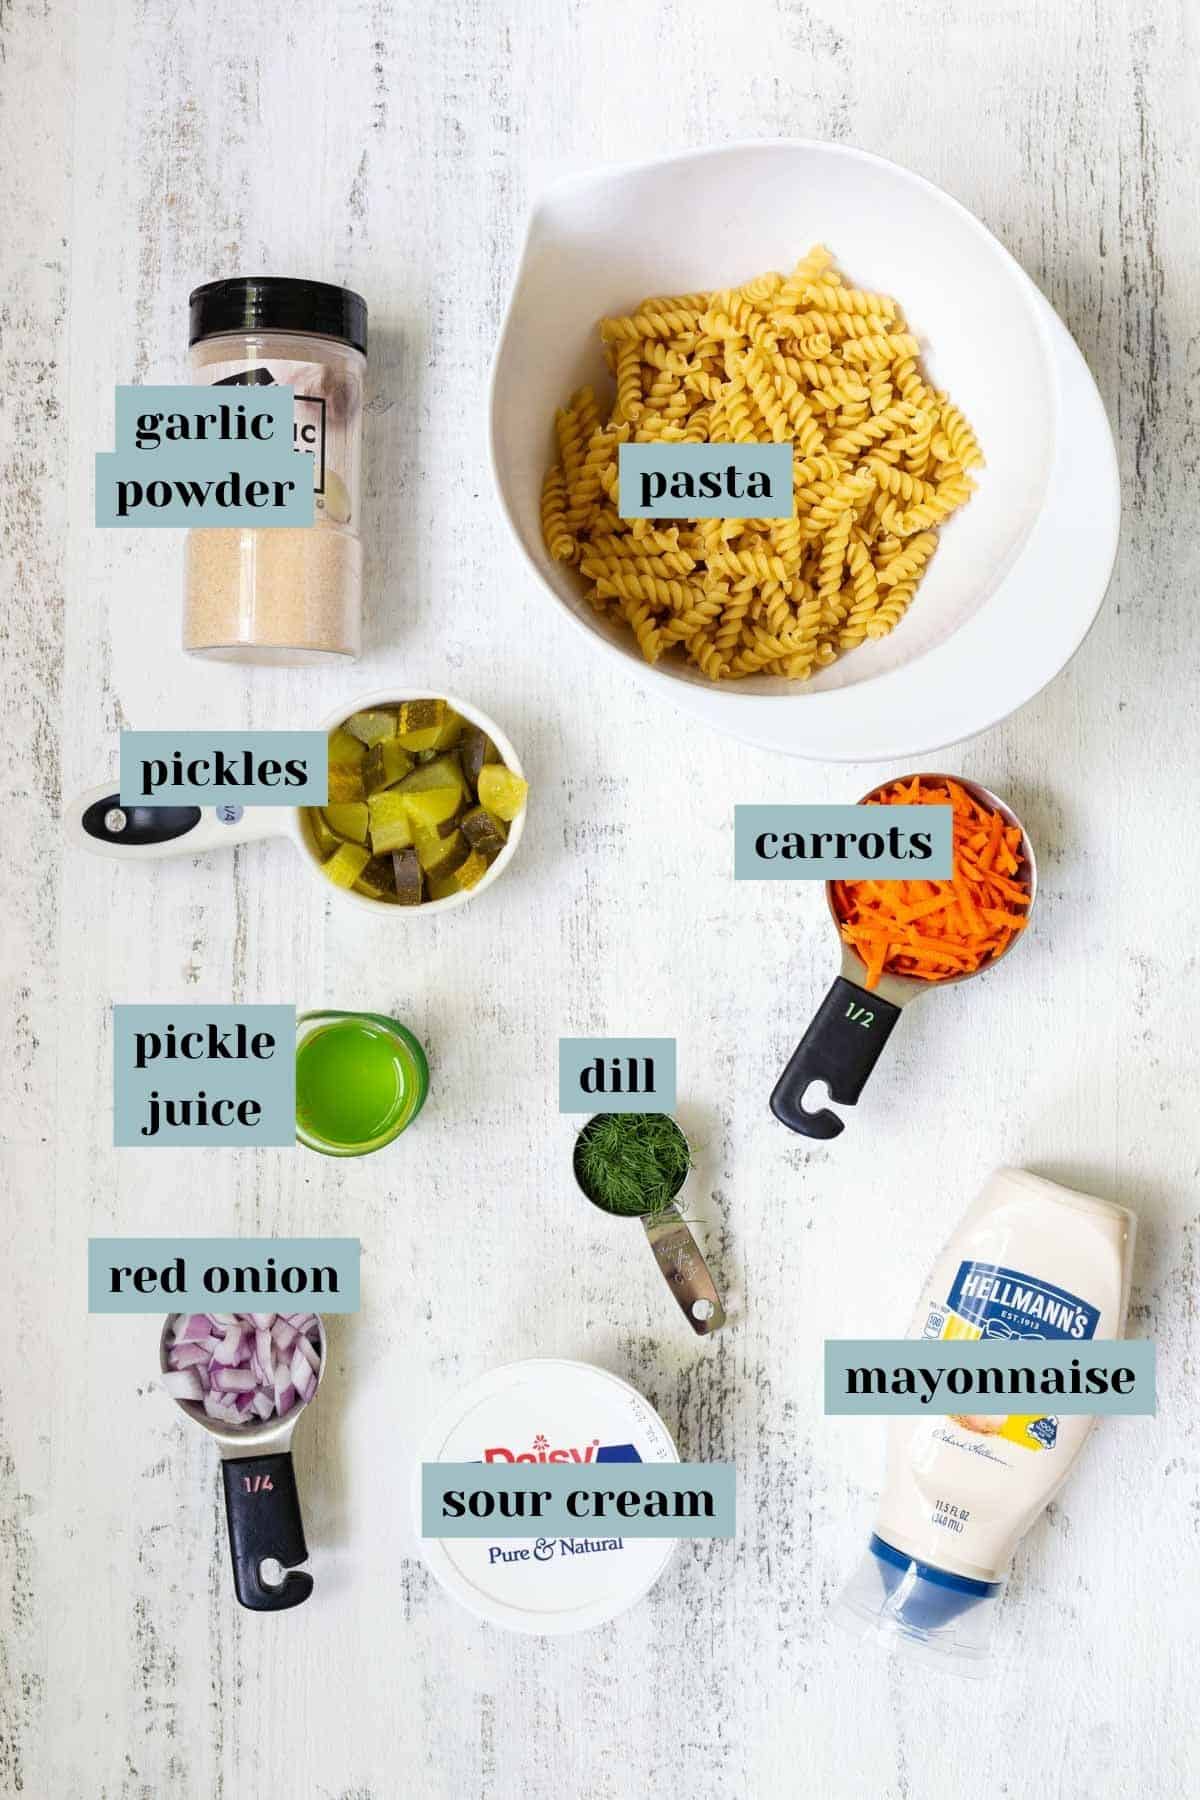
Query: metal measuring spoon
[853, 1023]
[262, 1505]
[675, 1251]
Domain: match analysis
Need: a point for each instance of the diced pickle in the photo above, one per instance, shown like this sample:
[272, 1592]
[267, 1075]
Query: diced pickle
[408, 877]
[428, 725]
[476, 748]
[345, 750]
[390, 829]
[369, 727]
[345, 783]
[484, 832]
[376, 879]
[472, 871]
[420, 721]
[438, 855]
[502, 792]
[387, 763]
[430, 807]
[346, 865]
[325, 840]
[419, 804]
[349, 821]
[444, 771]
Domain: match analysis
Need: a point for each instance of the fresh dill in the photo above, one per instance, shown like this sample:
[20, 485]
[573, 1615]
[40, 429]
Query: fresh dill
[632, 1163]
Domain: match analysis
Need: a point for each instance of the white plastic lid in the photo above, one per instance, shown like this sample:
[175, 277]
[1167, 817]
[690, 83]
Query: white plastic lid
[929, 1612]
[531, 1409]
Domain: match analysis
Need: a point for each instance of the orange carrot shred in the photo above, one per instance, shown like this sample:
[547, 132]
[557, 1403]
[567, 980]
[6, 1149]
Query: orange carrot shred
[932, 930]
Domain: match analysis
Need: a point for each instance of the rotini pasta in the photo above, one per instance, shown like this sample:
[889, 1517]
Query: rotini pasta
[881, 460]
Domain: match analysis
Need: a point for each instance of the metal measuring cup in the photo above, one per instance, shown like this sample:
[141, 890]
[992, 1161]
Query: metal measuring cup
[853, 1022]
[675, 1251]
[262, 1505]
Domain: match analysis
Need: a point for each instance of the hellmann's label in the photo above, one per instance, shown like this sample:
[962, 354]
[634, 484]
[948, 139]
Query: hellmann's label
[705, 481]
[213, 768]
[988, 1301]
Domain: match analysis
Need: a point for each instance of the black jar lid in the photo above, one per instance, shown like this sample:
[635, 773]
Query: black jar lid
[252, 303]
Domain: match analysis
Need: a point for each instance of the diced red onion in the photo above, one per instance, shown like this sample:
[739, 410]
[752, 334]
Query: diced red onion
[234, 1381]
[243, 1368]
[182, 1384]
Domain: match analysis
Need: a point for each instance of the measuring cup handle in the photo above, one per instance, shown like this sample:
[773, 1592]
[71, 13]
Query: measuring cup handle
[840, 1048]
[685, 1271]
[145, 833]
[262, 1508]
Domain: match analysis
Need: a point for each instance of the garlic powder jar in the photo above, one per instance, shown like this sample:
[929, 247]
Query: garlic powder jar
[289, 595]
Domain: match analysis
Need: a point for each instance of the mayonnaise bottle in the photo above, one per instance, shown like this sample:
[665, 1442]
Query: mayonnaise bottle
[1030, 1260]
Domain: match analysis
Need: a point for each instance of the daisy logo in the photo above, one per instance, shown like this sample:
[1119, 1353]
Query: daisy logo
[540, 1442]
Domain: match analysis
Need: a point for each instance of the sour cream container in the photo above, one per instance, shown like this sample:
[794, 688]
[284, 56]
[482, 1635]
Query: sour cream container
[541, 1411]
[1030, 1260]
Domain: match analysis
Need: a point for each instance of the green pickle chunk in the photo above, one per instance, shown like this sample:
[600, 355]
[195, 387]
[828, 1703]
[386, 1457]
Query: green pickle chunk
[390, 829]
[346, 865]
[419, 804]
[387, 763]
[483, 832]
[370, 727]
[349, 821]
[502, 792]
[376, 879]
[476, 749]
[408, 877]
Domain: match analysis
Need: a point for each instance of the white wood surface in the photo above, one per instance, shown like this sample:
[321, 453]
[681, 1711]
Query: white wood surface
[146, 145]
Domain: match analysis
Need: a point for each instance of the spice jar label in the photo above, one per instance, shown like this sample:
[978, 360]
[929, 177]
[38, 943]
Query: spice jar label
[204, 1075]
[327, 423]
[184, 458]
[628, 1074]
[854, 843]
[210, 768]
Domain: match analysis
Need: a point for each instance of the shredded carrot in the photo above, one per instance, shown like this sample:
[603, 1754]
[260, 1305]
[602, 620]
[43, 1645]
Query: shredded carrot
[935, 929]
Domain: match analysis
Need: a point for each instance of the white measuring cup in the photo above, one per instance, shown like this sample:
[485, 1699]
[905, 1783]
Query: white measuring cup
[262, 1504]
[97, 822]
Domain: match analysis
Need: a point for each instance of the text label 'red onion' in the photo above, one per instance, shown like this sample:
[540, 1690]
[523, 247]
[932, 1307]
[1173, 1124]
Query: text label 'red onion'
[843, 843]
[186, 1274]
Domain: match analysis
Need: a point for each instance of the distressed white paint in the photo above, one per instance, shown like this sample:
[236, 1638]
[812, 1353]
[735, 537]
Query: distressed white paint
[146, 146]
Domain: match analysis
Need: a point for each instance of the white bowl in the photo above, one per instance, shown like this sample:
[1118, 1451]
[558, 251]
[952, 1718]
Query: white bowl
[985, 631]
[391, 696]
